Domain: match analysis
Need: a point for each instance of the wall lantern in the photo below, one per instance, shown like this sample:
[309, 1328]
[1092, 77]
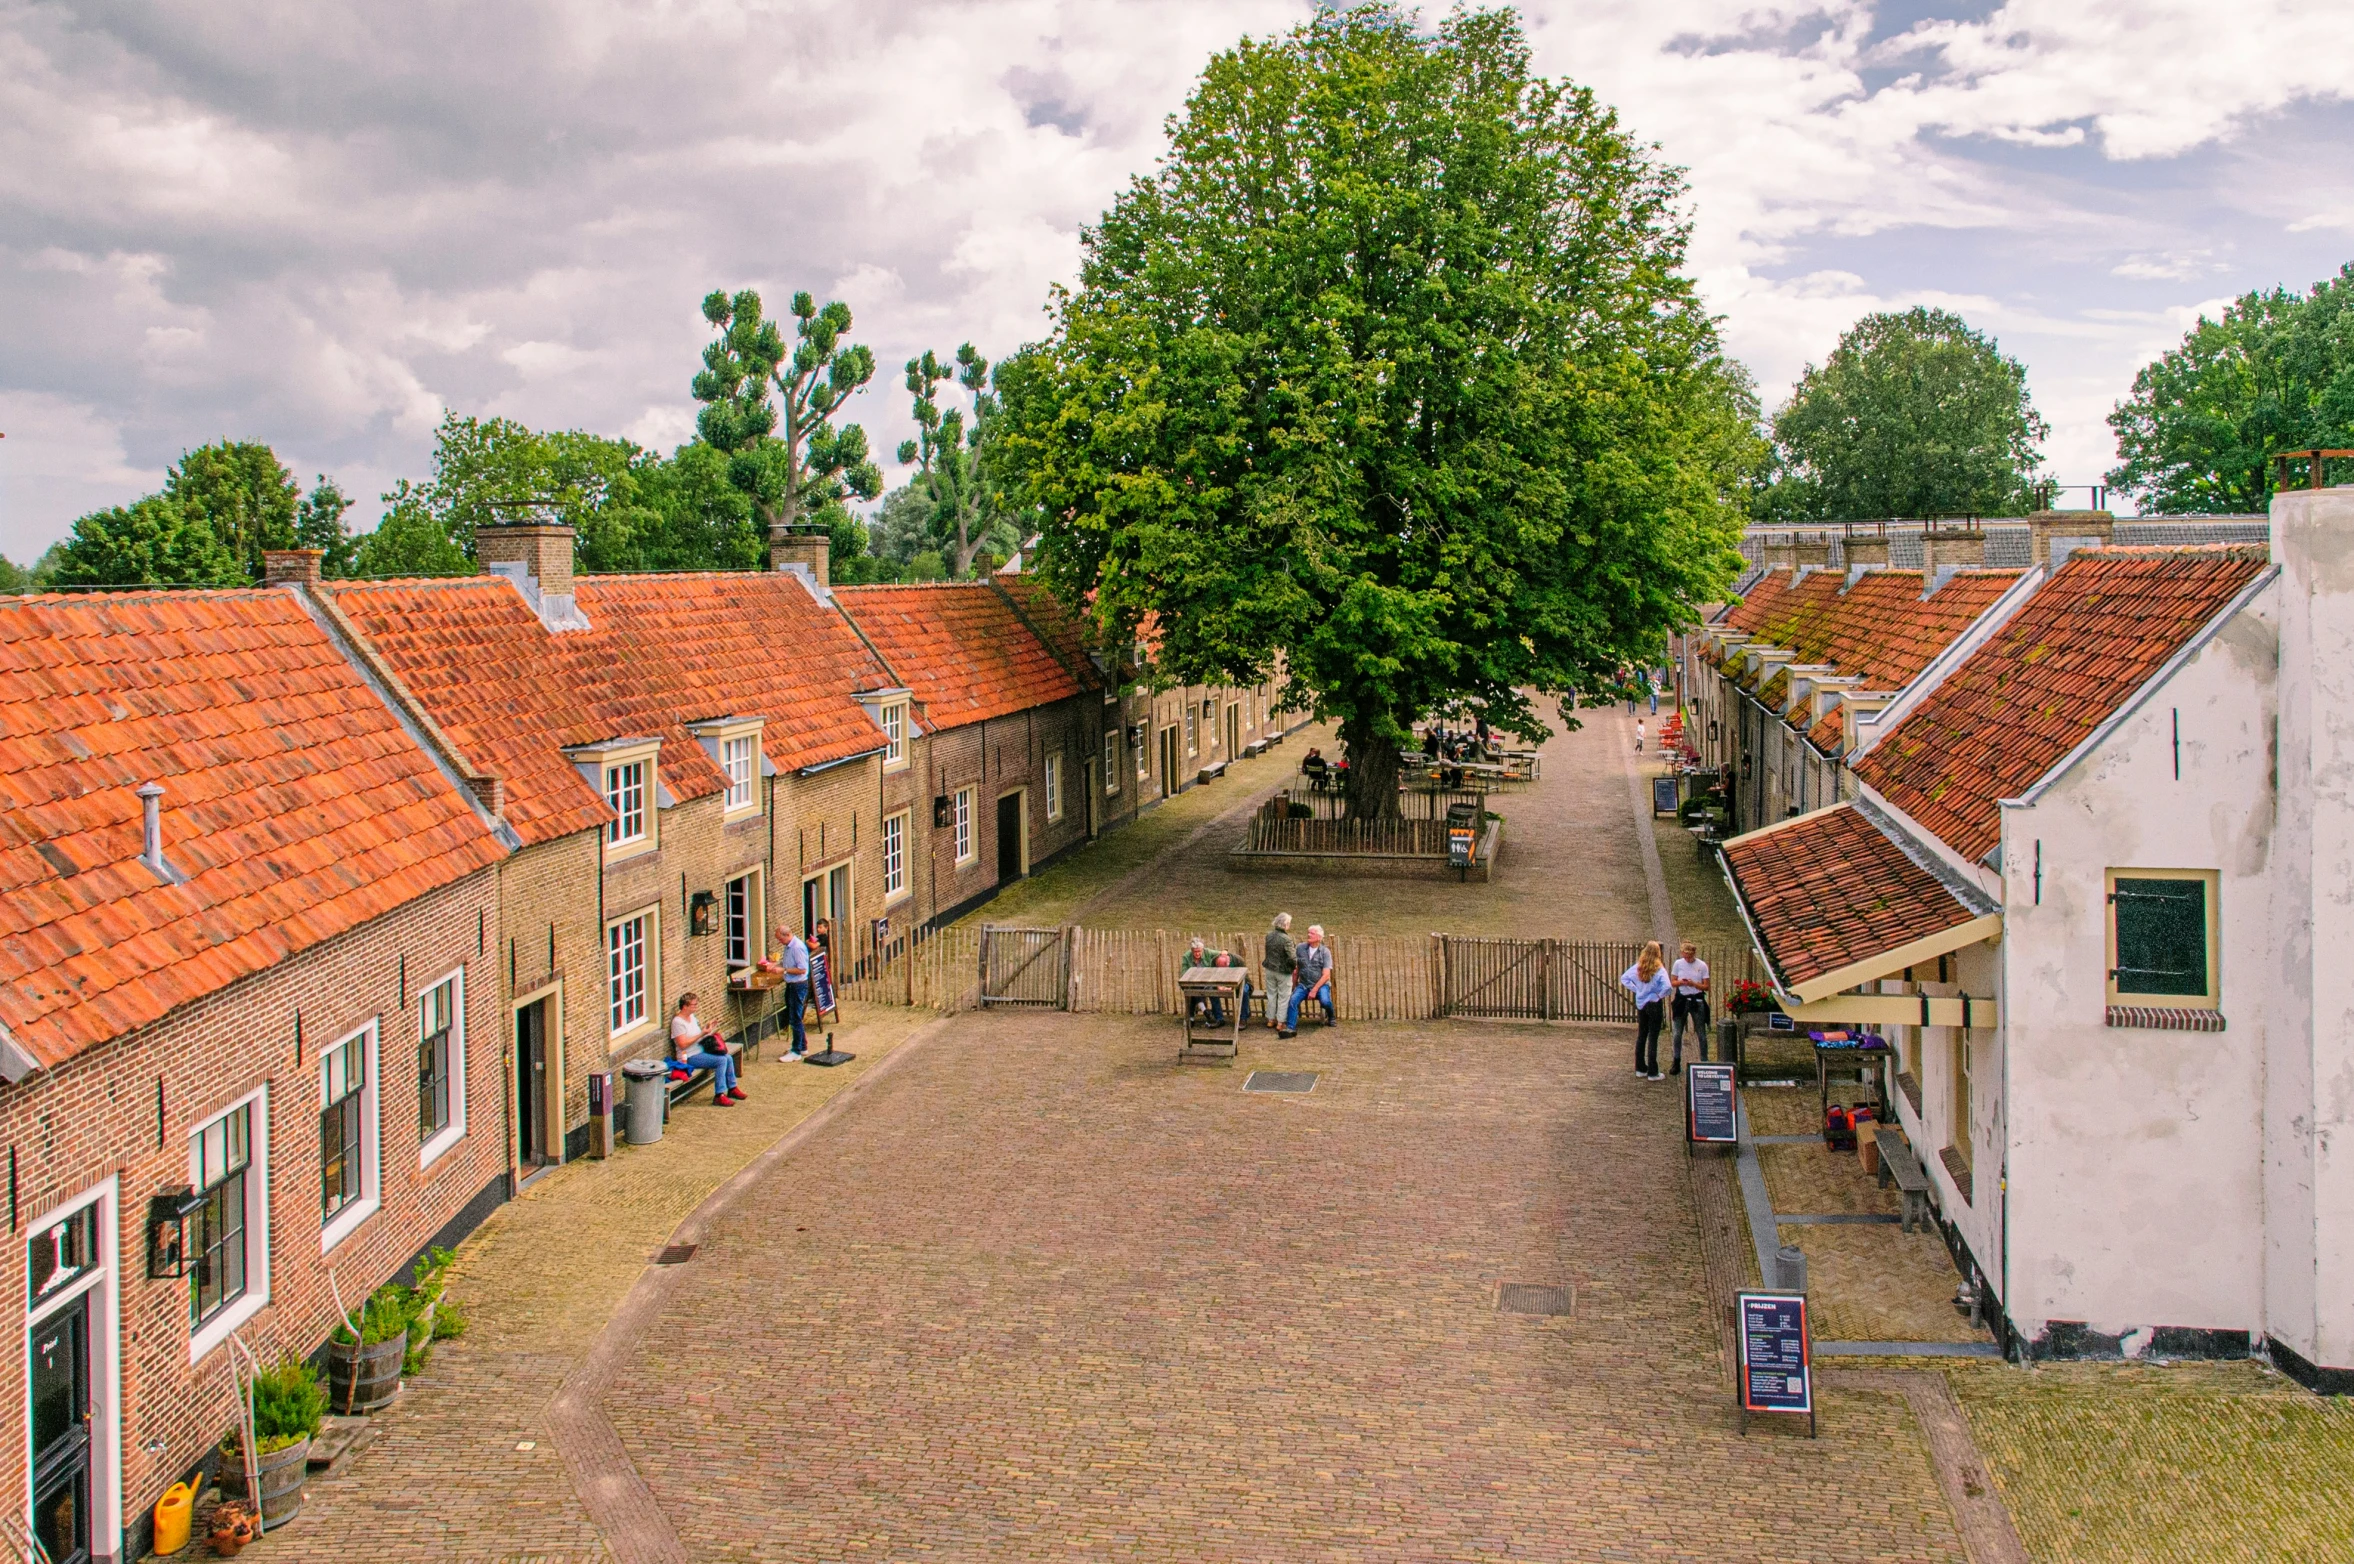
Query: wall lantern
[940, 814]
[703, 914]
[1712, 733]
[167, 1232]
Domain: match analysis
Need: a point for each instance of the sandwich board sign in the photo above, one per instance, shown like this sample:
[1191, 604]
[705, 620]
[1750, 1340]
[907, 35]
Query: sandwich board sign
[1709, 1115]
[1777, 1358]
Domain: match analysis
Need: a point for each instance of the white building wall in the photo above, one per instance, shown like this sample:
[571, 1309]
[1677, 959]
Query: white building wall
[2135, 1155]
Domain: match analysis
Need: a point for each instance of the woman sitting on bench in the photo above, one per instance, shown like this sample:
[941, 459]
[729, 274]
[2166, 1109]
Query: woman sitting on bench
[696, 1048]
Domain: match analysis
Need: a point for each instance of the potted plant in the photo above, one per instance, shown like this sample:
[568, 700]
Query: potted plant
[288, 1404]
[364, 1372]
[233, 1527]
[1749, 999]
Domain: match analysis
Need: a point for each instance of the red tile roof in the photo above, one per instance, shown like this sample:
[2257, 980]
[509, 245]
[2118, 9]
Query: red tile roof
[294, 802]
[1881, 630]
[2077, 651]
[1830, 889]
[663, 651]
[960, 649]
[1828, 730]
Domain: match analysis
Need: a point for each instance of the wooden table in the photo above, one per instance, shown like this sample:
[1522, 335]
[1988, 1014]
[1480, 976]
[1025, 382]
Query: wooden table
[1826, 1052]
[1207, 1041]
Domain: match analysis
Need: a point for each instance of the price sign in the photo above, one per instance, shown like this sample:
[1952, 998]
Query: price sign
[1776, 1356]
[1709, 1116]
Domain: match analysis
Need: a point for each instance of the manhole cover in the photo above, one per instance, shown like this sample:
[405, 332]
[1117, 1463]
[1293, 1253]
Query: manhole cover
[675, 1254]
[1531, 1298]
[1281, 1081]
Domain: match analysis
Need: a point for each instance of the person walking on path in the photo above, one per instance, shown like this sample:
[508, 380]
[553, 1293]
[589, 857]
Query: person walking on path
[1638, 735]
[1312, 979]
[696, 1048]
[1689, 975]
[1276, 965]
[796, 967]
[1647, 981]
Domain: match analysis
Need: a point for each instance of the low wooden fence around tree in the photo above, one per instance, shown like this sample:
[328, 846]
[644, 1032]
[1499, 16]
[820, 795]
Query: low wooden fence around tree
[1378, 977]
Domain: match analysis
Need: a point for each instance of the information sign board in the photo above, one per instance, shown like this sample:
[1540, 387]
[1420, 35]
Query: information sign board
[1663, 794]
[1777, 1359]
[1460, 842]
[1709, 1115]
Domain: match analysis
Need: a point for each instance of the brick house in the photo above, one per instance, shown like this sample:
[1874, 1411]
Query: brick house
[245, 917]
[685, 766]
[2091, 888]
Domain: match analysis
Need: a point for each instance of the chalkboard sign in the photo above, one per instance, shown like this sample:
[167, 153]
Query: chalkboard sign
[1663, 794]
[1709, 1118]
[1776, 1356]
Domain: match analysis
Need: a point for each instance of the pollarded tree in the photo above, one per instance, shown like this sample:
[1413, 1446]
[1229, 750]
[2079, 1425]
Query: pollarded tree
[807, 469]
[1390, 371]
[1914, 415]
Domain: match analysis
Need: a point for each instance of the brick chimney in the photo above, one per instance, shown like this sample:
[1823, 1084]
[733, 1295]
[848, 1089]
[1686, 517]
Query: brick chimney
[537, 557]
[1867, 549]
[2074, 528]
[806, 549]
[1941, 549]
[291, 566]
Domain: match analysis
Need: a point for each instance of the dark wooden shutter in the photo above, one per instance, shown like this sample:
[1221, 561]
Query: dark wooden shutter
[2161, 937]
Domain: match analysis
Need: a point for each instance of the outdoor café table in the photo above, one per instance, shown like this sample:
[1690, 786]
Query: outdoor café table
[1864, 1050]
[1197, 987]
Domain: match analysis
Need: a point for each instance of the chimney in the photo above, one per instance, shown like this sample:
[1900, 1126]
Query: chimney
[537, 557]
[1867, 550]
[291, 566]
[806, 550]
[1810, 551]
[151, 822]
[490, 792]
[2070, 529]
[1941, 549]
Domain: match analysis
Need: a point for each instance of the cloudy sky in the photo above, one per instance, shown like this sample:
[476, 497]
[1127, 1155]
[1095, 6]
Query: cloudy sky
[321, 225]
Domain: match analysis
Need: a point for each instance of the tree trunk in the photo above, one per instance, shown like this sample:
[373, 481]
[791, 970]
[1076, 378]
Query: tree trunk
[1373, 772]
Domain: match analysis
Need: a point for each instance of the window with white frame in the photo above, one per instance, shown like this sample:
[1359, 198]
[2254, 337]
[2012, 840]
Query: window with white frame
[1111, 761]
[961, 819]
[227, 1234]
[1143, 760]
[625, 794]
[441, 1066]
[629, 970]
[895, 734]
[739, 757]
[348, 1175]
[1192, 746]
[741, 909]
[895, 856]
[1054, 787]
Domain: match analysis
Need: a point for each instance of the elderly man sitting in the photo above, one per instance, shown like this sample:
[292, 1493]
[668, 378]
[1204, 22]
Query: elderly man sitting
[1312, 979]
[1198, 954]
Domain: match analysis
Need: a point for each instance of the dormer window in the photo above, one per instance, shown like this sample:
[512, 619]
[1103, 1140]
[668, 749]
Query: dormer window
[733, 743]
[625, 795]
[894, 720]
[626, 774]
[739, 758]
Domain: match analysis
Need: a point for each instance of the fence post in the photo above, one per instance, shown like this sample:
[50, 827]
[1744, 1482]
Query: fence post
[1070, 967]
[1545, 979]
[1438, 977]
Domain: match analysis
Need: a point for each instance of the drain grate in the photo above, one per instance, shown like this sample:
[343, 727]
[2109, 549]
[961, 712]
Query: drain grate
[1534, 1298]
[675, 1254]
[1280, 1081]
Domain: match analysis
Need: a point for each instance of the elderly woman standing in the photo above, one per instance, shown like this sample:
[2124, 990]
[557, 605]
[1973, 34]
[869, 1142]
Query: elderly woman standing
[1275, 969]
[1648, 982]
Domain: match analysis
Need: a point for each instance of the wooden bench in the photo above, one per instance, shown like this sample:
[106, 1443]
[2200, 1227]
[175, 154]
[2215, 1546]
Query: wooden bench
[1254, 749]
[1898, 1163]
[1212, 772]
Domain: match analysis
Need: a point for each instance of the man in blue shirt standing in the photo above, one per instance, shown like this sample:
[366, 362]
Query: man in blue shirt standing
[796, 969]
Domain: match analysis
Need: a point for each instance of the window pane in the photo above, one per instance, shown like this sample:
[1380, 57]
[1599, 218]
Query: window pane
[2161, 937]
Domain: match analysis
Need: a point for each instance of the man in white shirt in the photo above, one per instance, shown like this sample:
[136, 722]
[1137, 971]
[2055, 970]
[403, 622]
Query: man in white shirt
[1689, 975]
[796, 970]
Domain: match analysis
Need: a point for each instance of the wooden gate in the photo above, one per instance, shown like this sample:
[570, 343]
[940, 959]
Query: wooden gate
[1025, 967]
[1553, 979]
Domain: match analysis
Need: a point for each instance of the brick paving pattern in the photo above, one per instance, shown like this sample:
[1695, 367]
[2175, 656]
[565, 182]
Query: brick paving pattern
[1063, 1297]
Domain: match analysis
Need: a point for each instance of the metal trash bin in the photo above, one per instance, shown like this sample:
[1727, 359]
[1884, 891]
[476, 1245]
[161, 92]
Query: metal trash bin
[649, 1099]
[1790, 1263]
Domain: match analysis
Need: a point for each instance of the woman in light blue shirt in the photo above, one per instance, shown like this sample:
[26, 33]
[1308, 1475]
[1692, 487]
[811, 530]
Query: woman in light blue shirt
[1647, 981]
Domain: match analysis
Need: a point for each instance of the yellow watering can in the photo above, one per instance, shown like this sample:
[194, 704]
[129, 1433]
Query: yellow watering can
[173, 1512]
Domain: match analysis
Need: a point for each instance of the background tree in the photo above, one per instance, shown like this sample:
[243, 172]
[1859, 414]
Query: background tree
[2276, 373]
[796, 467]
[318, 523]
[1913, 415]
[151, 542]
[1389, 370]
[903, 543]
[951, 460]
[242, 492]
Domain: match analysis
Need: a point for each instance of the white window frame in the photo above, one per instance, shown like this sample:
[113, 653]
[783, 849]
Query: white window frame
[453, 1132]
[1192, 734]
[1111, 760]
[894, 856]
[1144, 755]
[960, 820]
[753, 945]
[618, 1026]
[739, 759]
[335, 1229]
[204, 1338]
[893, 720]
[1054, 788]
[623, 779]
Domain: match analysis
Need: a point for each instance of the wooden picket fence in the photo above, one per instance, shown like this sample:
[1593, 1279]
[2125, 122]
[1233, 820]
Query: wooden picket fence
[1273, 833]
[1379, 977]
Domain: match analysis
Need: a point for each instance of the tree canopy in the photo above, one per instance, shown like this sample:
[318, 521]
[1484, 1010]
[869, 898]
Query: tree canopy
[221, 507]
[1914, 415]
[952, 460]
[1390, 371]
[2276, 373]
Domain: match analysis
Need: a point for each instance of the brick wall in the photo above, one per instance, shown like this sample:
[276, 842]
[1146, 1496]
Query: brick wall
[553, 940]
[68, 1130]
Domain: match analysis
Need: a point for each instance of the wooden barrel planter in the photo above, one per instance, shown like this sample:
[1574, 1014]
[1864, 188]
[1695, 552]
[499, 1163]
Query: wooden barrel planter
[364, 1379]
[282, 1476]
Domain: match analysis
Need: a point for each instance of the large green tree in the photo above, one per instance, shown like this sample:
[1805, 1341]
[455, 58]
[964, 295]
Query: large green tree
[771, 409]
[243, 492]
[234, 492]
[150, 542]
[1391, 372]
[2275, 373]
[1915, 415]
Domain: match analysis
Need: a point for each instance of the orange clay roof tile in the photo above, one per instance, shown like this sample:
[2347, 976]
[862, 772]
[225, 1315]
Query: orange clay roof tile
[1831, 889]
[2074, 653]
[1881, 630]
[960, 648]
[294, 803]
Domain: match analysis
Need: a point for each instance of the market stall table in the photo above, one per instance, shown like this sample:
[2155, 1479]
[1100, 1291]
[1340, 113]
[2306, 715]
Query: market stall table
[1199, 989]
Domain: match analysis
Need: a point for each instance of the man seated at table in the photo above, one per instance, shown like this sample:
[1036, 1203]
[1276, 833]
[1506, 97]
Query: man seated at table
[697, 1047]
[1198, 954]
[1316, 768]
[1311, 980]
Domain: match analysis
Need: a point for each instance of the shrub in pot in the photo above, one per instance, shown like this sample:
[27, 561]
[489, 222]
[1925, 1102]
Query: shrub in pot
[288, 1404]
